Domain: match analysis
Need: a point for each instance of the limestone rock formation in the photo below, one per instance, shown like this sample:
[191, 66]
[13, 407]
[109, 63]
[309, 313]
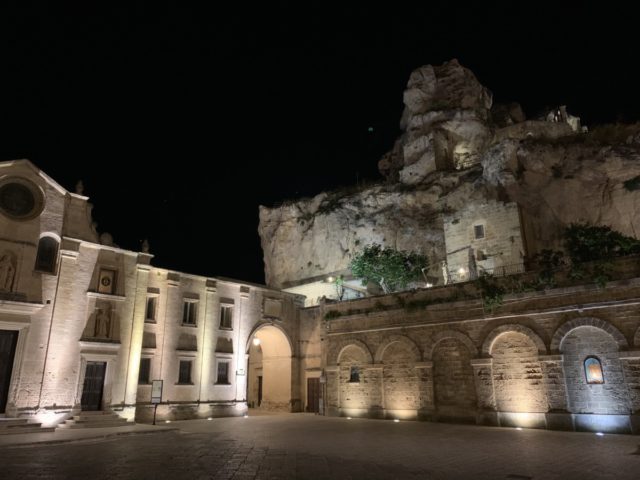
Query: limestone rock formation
[445, 123]
[456, 151]
[556, 184]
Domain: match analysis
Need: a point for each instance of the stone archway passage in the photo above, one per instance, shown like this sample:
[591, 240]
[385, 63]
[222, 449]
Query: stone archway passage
[270, 369]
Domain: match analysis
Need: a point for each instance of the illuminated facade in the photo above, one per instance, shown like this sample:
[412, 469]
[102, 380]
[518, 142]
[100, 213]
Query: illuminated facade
[566, 358]
[86, 325]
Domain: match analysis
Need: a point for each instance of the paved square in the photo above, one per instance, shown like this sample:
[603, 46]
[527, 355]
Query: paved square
[306, 446]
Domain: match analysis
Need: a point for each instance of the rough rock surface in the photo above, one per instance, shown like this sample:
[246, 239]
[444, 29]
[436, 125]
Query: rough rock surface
[318, 236]
[557, 184]
[445, 123]
[455, 151]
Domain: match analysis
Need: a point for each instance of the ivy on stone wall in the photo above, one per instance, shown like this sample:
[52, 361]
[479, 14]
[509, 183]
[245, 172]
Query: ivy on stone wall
[491, 292]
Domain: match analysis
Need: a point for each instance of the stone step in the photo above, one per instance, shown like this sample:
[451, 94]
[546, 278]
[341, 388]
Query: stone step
[96, 413]
[102, 422]
[5, 422]
[124, 423]
[95, 418]
[99, 419]
[21, 425]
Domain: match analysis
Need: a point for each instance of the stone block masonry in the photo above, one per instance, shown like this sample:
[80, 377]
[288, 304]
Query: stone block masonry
[522, 365]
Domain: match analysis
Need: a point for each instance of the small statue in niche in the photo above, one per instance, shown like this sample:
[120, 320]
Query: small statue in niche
[80, 187]
[7, 273]
[103, 324]
[445, 273]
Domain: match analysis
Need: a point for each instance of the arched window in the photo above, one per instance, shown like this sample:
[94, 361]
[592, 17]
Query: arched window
[354, 375]
[47, 257]
[593, 370]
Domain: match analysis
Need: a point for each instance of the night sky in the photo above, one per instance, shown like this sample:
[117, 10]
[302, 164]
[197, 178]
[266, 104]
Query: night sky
[181, 121]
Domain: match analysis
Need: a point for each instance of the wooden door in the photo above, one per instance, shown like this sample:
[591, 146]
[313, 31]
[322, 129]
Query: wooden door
[93, 386]
[8, 342]
[313, 395]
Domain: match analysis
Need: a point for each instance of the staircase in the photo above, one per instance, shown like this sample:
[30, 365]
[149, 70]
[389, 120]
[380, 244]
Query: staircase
[21, 425]
[95, 420]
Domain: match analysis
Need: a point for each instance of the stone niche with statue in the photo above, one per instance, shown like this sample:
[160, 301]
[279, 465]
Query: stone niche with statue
[102, 323]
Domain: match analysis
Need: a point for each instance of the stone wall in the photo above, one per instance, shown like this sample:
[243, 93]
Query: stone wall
[612, 397]
[500, 245]
[517, 375]
[455, 395]
[521, 365]
[91, 306]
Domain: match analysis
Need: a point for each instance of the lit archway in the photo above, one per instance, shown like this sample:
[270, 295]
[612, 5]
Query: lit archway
[269, 370]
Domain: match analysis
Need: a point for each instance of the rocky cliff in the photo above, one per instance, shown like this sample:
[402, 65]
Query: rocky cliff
[458, 149]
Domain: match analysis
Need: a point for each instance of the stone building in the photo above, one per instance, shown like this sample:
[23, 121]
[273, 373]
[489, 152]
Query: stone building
[87, 326]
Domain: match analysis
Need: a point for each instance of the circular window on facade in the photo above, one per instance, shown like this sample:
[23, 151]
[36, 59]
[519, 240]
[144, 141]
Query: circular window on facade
[20, 199]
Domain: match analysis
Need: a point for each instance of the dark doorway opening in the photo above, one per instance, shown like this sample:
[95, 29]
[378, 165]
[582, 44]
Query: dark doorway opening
[93, 386]
[259, 389]
[8, 342]
[313, 395]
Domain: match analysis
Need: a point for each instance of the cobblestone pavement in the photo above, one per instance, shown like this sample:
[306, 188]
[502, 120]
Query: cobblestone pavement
[311, 447]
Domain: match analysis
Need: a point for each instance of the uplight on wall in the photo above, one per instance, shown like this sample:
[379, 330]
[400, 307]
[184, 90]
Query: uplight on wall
[256, 341]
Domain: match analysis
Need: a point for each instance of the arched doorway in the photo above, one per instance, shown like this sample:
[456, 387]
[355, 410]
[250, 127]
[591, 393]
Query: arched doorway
[269, 370]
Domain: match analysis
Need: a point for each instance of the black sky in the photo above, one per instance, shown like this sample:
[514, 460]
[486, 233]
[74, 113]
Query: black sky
[181, 121]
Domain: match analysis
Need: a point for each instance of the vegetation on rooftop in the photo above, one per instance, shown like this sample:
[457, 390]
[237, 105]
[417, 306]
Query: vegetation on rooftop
[392, 269]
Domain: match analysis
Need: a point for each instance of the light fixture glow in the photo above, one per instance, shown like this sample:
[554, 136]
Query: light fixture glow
[209, 418]
[462, 271]
[600, 434]
[348, 418]
[518, 428]
[246, 416]
[330, 279]
[167, 421]
[256, 341]
[396, 420]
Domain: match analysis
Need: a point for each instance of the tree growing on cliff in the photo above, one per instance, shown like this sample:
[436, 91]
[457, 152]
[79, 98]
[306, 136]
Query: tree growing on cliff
[390, 268]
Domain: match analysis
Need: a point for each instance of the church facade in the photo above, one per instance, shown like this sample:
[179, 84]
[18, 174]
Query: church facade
[88, 326]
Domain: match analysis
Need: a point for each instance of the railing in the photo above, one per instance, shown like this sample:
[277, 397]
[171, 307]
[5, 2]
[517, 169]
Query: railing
[464, 273]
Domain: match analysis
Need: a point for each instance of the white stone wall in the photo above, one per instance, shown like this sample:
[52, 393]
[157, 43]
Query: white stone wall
[61, 328]
[502, 245]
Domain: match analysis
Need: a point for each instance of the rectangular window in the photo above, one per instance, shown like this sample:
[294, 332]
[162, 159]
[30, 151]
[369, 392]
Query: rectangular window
[184, 376]
[223, 373]
[189, 313]
[107, 281]
[226, 317]
[354, 375]
[478, 231]
[150, 314]
[145, 371]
